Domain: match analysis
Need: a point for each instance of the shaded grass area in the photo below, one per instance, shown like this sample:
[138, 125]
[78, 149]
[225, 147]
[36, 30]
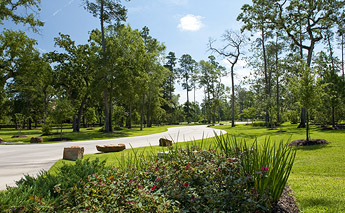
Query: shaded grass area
[84, 134]
[318, 175]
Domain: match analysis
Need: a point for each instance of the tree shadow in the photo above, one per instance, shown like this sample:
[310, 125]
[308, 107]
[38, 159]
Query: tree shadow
[312, 147]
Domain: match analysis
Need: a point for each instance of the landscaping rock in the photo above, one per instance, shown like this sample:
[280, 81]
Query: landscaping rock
[165, 142]
[111, 148]
[73, 153]
[36, 140]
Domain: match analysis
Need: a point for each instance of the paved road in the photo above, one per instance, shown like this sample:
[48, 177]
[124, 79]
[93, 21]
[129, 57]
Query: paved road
[17, 160]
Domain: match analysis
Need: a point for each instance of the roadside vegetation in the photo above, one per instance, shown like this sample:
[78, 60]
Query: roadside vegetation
[200, 176]
[315, 178]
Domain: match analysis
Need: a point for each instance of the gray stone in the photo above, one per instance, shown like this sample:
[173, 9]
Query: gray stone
[165, 142]
[73, 153]
[36, 140]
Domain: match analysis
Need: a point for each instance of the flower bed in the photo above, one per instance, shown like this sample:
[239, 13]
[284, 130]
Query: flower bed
[191, 179]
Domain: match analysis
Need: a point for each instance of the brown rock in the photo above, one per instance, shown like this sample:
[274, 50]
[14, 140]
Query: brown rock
[73, 153]
[36, 140]
[165, 142]
[111, 148]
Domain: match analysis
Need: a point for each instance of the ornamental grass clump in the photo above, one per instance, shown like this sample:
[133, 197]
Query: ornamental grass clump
[269, 164]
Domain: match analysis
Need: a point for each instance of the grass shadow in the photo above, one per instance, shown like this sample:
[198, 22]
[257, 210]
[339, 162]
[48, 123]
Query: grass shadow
[312, 147]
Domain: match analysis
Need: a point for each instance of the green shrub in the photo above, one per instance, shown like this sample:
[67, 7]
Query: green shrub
[293, 116]
[46, 129]
[233, 177]
[46, 186]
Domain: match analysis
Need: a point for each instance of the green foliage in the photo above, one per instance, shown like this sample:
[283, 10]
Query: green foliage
[228, 178]
[9, 11]
[293, 116]
[90, 116]
[249, 113]
[269, 165]
[34, 193]
[46, 129]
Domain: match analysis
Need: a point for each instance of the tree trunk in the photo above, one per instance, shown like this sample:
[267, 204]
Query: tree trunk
[61, 131]
[80, 112]
[333, 115]
[106, 107]
[129, 125]
[148, 113]
[75, 123]
[307, 121]
[111, 108]
[142, 113]
[277, 74]
[188, 116]
[266, 74]
[342, 55]
[45, 105]
[303, 118]
[232, 96]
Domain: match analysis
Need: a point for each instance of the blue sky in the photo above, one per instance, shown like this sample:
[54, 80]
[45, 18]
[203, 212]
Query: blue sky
[184, 26]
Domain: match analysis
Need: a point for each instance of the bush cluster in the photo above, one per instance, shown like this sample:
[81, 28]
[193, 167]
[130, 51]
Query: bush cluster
[184, 180]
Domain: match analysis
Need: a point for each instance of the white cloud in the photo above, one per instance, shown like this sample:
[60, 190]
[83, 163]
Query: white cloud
[190, 23]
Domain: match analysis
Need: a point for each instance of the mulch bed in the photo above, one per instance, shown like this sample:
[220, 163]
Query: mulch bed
[19, 136]
[286, 203]
[304, 142]
[60, 139]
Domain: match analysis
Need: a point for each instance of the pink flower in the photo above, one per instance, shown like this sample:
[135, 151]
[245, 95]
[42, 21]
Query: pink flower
[186, 184]
[264, 169]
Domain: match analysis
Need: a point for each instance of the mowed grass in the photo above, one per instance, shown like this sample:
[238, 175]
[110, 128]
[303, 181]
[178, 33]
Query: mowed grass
[84, 134]
[318, 174]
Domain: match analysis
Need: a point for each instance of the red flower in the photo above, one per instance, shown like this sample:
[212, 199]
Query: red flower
[154, 188]
[186, 184]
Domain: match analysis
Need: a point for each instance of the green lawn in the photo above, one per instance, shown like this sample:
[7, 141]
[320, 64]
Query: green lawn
[318, 175]
[84, 133]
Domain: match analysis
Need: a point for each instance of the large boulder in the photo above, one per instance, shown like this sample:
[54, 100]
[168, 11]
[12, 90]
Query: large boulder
[73, 153]
[36, 140]
[165, 142]
[111, 148]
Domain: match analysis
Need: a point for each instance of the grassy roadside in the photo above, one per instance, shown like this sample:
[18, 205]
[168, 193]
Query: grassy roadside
[84, 134]
[318, 175]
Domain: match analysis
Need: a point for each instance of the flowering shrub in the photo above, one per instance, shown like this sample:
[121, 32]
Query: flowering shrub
[205, 181]
[228, 178]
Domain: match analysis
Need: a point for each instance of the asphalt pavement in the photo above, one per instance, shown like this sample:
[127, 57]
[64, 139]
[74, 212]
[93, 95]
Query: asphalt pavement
[17, 160]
